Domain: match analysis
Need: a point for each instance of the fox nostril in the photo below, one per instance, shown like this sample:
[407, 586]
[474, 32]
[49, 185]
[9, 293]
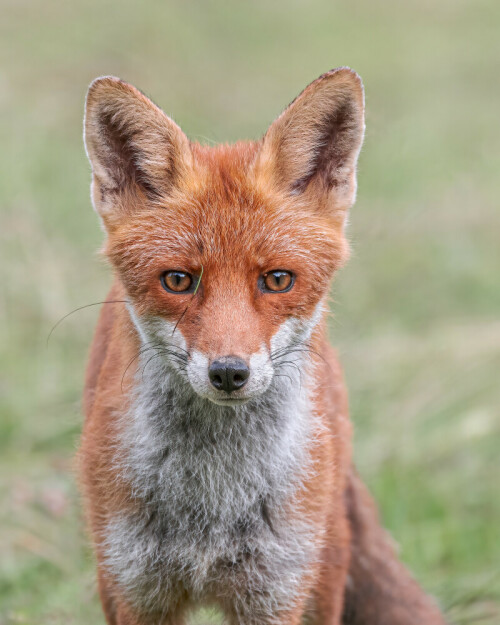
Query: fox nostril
[217, 381]
[228, 374]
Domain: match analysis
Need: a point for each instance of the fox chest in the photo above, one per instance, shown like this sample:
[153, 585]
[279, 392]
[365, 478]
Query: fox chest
[212, 506]
[158, 559]
[211, 529]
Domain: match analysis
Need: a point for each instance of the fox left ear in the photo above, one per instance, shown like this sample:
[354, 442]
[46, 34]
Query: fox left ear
[314, 144]
[138, 154]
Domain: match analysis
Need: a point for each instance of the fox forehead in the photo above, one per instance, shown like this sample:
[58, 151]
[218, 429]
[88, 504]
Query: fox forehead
[221, 217]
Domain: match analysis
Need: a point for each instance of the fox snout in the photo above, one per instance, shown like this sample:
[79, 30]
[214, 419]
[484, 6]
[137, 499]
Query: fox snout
[231, 366]
[230, 380]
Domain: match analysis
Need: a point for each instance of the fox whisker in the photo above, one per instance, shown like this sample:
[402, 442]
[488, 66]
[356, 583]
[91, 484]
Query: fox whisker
[115, 301]
[290, 363]
[180, 357]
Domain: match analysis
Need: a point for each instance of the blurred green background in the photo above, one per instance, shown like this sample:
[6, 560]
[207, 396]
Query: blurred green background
[416, 310]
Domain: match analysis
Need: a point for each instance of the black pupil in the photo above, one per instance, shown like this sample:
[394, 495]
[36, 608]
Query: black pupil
[280, 279]
[178, 278]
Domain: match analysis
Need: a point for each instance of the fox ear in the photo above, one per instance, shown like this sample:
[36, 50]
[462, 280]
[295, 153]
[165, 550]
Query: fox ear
[314, 145]
[136, 152]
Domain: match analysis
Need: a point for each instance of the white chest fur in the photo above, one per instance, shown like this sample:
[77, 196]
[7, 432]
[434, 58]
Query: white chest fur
[211, 484]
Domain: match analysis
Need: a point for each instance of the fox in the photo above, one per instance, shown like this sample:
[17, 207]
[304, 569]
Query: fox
[215, 458]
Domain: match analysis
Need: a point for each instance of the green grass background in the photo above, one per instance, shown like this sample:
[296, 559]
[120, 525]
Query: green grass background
[416, 310]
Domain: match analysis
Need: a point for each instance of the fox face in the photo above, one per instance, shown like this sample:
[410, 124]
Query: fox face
[226, 254]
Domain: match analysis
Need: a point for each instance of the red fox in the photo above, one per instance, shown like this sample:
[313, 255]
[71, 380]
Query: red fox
[215, 459]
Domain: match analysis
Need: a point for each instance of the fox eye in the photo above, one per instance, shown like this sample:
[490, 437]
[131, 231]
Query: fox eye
[278, 281]
[176, 281]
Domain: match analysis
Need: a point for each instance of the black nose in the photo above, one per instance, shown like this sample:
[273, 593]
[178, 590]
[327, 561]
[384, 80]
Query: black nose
[228, 374]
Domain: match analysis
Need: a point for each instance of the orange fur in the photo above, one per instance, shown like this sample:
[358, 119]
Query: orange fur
[231, 214]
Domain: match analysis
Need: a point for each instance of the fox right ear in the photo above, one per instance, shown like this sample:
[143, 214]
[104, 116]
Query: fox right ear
[313, 146]
[137, 153]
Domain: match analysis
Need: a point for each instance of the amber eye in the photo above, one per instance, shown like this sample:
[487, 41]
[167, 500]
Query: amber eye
[277, 281]
[177, 281]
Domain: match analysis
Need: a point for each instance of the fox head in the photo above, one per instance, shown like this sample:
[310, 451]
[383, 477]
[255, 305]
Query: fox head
[226, 253]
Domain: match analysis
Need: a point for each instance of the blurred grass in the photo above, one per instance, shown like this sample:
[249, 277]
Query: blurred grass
[416, 310]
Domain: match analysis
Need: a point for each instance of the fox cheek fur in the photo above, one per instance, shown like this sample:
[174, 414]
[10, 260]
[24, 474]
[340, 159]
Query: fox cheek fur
[215, 455]
[163, 345]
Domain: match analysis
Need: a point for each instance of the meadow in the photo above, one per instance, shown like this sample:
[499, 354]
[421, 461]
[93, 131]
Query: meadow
[415, 312]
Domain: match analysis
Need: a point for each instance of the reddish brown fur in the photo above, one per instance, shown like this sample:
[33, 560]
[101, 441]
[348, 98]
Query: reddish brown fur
[145, 244]
[222, 195]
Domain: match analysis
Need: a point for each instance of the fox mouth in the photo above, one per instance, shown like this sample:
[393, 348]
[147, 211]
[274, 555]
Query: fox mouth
[229, 401]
